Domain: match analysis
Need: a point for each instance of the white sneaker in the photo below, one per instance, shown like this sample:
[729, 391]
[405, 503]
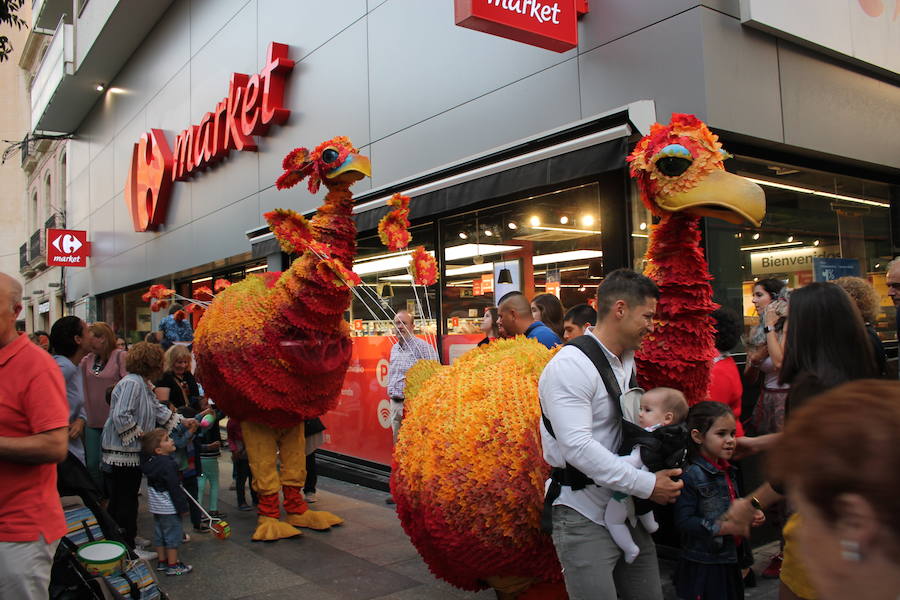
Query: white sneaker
[140, 542]
[145, 554]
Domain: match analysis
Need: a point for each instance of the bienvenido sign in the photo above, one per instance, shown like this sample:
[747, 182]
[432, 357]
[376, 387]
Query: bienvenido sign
[552, 25]
[252, 105]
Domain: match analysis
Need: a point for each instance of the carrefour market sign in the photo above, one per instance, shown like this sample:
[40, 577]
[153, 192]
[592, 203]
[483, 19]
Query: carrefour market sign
[550, 24]
[253, 104]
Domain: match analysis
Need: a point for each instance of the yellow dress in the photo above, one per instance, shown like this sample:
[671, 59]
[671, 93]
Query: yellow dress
[793, 573]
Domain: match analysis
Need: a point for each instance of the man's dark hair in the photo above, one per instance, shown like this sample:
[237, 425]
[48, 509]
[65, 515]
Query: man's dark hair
[581, 315]
[624, 284]
[509, 295]
[62, 335]
[729, 327]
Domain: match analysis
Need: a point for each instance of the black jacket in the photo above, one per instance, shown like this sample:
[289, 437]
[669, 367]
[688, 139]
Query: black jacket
[162, 475]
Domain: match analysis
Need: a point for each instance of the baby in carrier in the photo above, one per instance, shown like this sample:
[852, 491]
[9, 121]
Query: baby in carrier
[658, 441]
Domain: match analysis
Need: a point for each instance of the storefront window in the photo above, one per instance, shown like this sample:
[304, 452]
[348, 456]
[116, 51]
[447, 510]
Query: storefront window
[387, 287]
[127, 314]
[818, 226]
[547, 243]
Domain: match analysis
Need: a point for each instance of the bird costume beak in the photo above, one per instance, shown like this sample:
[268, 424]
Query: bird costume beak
[354, 162]
[721, 195]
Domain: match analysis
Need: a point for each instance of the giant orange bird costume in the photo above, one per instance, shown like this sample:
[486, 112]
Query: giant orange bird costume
[273, 349]
[468, 467]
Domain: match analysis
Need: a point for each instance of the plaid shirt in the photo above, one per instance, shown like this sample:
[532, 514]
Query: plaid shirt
[405, 353]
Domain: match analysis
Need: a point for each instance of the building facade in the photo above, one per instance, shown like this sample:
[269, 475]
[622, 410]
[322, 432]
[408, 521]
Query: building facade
[514, 155]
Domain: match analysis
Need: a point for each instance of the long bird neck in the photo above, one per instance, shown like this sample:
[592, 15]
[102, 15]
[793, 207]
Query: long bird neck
[674, 254]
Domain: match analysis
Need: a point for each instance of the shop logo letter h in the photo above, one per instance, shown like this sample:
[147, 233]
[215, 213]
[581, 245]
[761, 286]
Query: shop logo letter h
[149, 181]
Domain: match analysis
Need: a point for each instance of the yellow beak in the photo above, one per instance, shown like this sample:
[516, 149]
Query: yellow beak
[355, 162]
[721, 195]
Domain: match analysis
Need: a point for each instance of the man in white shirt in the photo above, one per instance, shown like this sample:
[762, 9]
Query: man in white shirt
[587, 427]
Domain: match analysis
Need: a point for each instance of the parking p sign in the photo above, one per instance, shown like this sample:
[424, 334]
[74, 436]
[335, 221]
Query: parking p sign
[67, 248]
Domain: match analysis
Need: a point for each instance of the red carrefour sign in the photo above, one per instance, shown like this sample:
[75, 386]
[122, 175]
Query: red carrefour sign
[252, 105]
[67, 248]
[552, 24]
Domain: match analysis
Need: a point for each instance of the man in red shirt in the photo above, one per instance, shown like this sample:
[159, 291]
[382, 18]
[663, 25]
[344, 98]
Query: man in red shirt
[34, 424]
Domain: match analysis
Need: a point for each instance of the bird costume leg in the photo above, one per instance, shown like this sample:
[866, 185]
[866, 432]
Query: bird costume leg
[262, 444]
[292, 449]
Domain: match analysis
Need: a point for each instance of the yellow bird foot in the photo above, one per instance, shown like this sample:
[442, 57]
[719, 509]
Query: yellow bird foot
[269, 530]
[314, 519]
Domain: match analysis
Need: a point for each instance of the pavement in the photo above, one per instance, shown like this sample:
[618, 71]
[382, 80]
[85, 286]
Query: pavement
[369, 557]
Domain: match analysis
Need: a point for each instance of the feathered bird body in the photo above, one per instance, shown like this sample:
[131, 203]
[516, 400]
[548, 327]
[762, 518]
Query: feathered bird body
[274, 348]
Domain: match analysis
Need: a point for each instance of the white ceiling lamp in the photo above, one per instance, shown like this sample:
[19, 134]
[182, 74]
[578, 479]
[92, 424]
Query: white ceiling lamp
[803, 190]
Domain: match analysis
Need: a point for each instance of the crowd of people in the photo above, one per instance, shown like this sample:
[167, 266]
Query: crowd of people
[79, 405]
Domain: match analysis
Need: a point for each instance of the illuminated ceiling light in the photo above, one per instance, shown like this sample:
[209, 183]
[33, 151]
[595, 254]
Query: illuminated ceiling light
[563, 220]
[642, 226]
[512, 225]
[587, 220]
[462, 235]
[582, 288]
[566, 229]
[816, 243]
[640, 235]
[803, 190]
[99, 87]
[201, 280]
[877, 265]
[534, 220]
[259, 268]
[790, 238]
[756, 236]
[764, 246]
[488, 232]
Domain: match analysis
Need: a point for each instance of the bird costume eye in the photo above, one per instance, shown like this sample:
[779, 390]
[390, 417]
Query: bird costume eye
[673, 160]
[329, 155]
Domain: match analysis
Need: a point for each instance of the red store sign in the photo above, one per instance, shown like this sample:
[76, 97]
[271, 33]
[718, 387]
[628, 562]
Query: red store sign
[67, 248]
[552, 24]
[252, 105]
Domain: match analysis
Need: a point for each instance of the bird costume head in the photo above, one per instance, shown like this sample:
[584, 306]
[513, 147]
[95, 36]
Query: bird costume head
[680, 167]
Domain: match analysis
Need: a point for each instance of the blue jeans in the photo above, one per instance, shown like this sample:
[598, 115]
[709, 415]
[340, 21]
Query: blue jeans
[593, 565]
[167, 531]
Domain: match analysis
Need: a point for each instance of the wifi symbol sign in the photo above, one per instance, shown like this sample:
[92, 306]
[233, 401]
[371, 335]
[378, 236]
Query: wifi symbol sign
[384, 414]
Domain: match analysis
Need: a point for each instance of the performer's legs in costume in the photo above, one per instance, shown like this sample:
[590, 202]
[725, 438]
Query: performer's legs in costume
[292, 444]
[262, 445]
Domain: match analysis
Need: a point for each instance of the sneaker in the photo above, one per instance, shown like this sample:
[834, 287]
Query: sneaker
[185, 538]
[245, 507]
[140, 542]
[145, 554]
[162, 567]
[310, 497]
[773, 571]
[179, 568]
[203, 528]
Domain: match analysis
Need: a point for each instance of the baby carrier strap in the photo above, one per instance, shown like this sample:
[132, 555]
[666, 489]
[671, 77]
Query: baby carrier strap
[569, 475]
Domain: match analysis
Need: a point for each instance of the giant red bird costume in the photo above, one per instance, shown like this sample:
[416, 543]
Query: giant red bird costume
[679, 170]
[273, 349]
[469, 473]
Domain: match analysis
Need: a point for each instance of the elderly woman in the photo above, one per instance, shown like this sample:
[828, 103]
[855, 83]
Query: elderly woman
[133, 411]
[840, 463]
[101, 369]
[178, 380]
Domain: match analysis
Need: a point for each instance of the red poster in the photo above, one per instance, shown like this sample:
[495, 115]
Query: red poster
[487, 283]
[476, 287]
[357, 324]
[360, 425]
[553, 288]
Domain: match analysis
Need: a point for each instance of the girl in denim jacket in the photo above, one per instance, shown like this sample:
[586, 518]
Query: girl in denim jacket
[712, 550]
